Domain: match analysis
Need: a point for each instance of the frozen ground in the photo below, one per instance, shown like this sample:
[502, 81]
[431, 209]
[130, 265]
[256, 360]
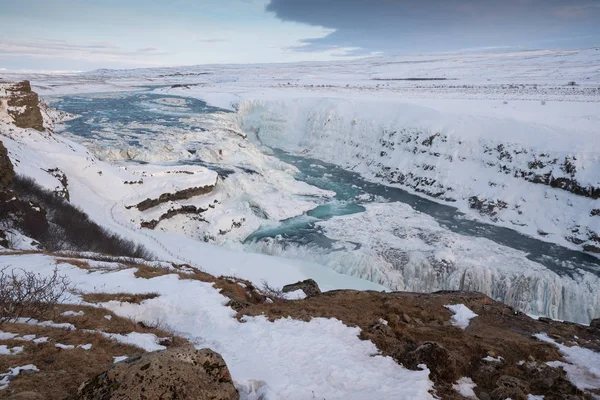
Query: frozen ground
[492, 137]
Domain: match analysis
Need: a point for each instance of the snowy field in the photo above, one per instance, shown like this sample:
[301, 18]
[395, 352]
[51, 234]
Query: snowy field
[508, 138]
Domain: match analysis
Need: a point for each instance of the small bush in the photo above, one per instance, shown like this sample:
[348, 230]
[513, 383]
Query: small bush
[66, 227]
[30, 295]
[271, 292]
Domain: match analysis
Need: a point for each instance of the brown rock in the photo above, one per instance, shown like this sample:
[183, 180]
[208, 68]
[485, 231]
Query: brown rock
[509, 387]
[180, 373]
[309, 287]
[442, 364]
[28, 114]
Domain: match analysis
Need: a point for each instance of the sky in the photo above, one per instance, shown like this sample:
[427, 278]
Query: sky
[81, 35]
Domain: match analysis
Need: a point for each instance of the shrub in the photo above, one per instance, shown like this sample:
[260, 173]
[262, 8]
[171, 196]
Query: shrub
[271, 292]
[66, 227]
[30, 295]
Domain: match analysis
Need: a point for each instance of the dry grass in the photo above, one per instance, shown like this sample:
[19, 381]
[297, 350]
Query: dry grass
[241, 292]
[62, 371]
[121, 297]
[79, 263]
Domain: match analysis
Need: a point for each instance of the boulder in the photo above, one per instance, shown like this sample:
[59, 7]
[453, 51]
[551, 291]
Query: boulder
[509, 387]
[179, 373]
[444, 366]
[309, 287]
[595, 323]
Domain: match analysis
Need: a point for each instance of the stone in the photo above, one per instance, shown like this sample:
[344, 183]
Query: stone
[309, 287]
[178, 373]
[443, 365]
[509, 387]
[595, 323]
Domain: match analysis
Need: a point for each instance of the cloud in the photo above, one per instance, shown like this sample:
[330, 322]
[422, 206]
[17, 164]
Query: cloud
[394, 26]
[60, 48]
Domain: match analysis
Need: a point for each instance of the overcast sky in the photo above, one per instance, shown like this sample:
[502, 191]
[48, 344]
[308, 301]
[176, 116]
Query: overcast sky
[65, 35]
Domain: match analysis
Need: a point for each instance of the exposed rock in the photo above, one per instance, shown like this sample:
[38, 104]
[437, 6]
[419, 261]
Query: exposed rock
[23, 106]
[7, 172]
[179, 195]
[509, 387]
[442, 364]
[189, 209]
[62, 178]
[595, 323]
[309, 287]
[180, 373]
[486, 206]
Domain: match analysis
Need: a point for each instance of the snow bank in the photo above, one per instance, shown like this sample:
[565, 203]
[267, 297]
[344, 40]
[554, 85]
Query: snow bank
[462, 315]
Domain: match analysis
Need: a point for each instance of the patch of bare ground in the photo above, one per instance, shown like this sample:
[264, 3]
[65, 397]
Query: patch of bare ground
[415, 329]
[134, 298]
[62, 371]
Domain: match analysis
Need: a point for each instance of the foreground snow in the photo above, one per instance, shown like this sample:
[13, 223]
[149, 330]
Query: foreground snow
[582, 366]
[298, 360]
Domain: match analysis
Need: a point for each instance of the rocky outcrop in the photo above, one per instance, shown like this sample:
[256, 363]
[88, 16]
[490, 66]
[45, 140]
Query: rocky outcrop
[23, 106]
[7, 172]
[179, 195]
[63, 180]
[189, 209]
[309, 287]
[180, 373]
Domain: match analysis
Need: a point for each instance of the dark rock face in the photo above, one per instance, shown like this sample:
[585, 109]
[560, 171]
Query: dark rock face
[309, 287]
[180, 373]
[28, 114]
[189, 209]
[180, 195]
[7, 172]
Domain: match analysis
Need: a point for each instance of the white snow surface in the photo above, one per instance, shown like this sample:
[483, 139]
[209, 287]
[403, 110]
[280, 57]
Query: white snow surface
[7, 351]
[464, 386]
[582, 365]
[462, 315]
[12, 372]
